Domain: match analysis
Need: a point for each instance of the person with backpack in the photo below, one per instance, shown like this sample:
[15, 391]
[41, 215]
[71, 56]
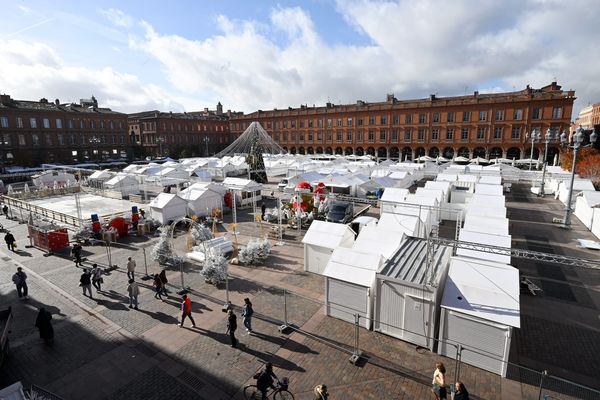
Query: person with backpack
[85, 281]
[97, 279]
[11, 243]
[265, 380]
[247, 312]
[20, 280]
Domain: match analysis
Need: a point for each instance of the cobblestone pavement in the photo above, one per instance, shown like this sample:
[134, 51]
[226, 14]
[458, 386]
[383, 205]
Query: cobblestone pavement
[105, 350]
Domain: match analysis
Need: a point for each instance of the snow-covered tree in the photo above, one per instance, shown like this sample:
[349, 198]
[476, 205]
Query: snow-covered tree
[162, 252]
[255, 251]
[215, 267]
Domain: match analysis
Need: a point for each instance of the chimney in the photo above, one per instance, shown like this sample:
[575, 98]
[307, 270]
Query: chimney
[476, 93]
[57, 102]
[5, 99]
[432, 97]
[390, 98]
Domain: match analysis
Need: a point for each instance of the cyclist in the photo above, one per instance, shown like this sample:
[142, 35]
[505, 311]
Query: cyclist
[265, 380]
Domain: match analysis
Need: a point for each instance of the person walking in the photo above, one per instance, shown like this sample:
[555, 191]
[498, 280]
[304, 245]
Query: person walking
[164, 281]
[133, 290]
[158, 286]
[321, 392]
[11, 243]
[461, 391]
[5, 211]
[247, 312]
[85, 281]
[263, 209]
[20, 280]
[231, 327]
[186, 310]
[97, 279]
[42, 322]
[130, 268]
[438, 382]
[76, 251]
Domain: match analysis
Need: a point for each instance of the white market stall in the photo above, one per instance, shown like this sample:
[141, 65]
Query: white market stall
[51, 178]
[579, 185]
[167, 207]
[441, 185]
[410, 225]
[246, 191]
[489, 190]
[124, 184]
[97, 179]
[408, 294]
[320, 240]
[486, 224]
[480, 308]
[350, 285]
[392, 196]
[202, 199]
[587, 207]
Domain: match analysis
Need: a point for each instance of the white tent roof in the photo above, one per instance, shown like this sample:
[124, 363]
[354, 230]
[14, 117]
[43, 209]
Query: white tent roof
[104, 174]
[495, 211]
[327, 234]
[446, 178]
[420, 200]
[165, 199]
[398, 175]
[375, 240]
[483, 289]
[486, 224]
[491, 190]
[484, 238]
[353, 266]
[591, 198]
[437, 194]
[443, 185]
[215, 187]
[579, 185]
[245, 185]
[406, 224]
[486, 201]
[394, 195]
[120, 179]
[466, 178]
[491, 180]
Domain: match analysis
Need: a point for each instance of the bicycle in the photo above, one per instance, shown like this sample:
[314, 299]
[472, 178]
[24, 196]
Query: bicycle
[280, 392]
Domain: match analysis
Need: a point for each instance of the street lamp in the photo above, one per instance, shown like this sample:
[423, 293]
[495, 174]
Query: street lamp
[547, 139]
[206, 140]
[535, 137]
[160, 140]
[577, 143]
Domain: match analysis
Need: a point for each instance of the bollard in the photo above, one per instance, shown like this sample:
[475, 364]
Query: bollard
[457, 366]
[147, 277]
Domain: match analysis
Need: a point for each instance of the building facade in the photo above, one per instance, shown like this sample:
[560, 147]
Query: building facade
[589, 117]
[478, 125]
[192, 134]
[36, 132]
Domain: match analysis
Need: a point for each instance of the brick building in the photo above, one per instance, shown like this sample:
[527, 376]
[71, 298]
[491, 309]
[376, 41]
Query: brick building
[35, 132]
[200, 133]
[478, 125]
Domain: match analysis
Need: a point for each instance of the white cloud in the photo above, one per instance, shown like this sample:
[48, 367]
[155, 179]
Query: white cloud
[117, 17]
[30, 71]
[417, 48]
[25, 10]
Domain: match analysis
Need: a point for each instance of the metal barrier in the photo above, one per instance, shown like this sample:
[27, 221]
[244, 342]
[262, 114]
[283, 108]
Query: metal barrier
[21, 210]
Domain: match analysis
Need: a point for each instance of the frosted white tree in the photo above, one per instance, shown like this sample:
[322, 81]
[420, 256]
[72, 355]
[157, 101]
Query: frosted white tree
[255, 251]
[215, 267]
[162, 252]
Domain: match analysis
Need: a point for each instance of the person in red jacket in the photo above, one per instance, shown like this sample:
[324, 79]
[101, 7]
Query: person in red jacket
[186, 310]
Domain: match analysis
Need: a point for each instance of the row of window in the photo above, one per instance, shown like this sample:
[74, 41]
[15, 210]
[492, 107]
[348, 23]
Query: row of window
[62, 139]
[181, 139]
[451, 116]
[407, 134]
[192, 127]
[58, 123]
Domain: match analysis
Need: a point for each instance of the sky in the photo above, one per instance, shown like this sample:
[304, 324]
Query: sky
[253, 54]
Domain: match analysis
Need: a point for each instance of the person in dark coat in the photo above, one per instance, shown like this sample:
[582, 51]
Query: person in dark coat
[5, 211]
[10, 241]
[263, 209]
[77, 254]
[164, 281]
[42, 322]
[85, 281]
[461, 391]
[247, 312]
[232, 326]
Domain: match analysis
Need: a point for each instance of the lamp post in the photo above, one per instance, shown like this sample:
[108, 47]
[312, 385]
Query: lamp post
[535, 137]
[577, 143]
[547, 139]
[160, 140]
[206, 140]
[94, 140]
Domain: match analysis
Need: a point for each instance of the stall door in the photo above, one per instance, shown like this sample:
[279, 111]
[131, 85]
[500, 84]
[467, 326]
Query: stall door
[417, 321]
[345, 299]
[484, 341]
